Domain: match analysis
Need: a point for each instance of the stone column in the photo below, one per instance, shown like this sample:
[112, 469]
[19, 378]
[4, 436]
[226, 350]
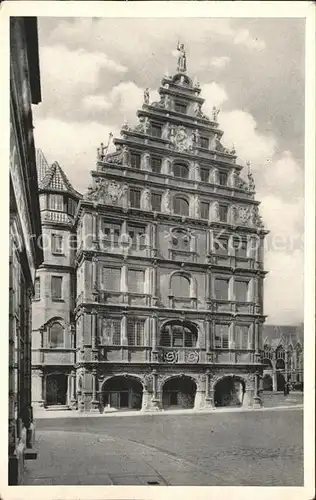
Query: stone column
[73, 402]
[95, 284]
[95, 235]
[94, 402]
[154, 285]
[155, 398]
[256, 398]
[208, 401]
[154, 352]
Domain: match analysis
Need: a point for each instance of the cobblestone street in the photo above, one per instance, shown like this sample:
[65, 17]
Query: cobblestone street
[219, 449]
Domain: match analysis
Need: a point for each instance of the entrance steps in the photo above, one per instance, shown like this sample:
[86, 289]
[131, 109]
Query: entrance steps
[57, 408]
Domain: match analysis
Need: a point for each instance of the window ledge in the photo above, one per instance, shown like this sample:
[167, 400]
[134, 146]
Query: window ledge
[58, 300]
[60, 254]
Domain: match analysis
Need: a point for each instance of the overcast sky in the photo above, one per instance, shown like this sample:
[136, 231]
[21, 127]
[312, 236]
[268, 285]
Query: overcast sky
[94, 71]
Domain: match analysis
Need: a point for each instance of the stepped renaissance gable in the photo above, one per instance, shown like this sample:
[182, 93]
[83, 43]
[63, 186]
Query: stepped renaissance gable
[161, 303]
[167, 313]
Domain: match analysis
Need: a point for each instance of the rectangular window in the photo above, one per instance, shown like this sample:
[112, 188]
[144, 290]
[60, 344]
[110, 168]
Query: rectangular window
[179, 107]
[241, 248]
[223, 212]
[57, 243]
[241, 336]
[156, 202]
[56, 202]
[137, 237]
[221, 288]
[110, 233]
[37, 289]
[241, 291]
[156, 130]
[204, 173]
[222, 178]
[57, 282]
[156, 165]
[135, 332]
[134, 197]
[111, 331]
[111, 279]
[72, 206]
[205, 142]
[136, 281]
[135, 160]
[205, 210]
[221, 336]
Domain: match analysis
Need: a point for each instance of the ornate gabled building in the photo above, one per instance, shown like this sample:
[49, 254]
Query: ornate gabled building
[282, 355]
[169, 265]
[53, 338]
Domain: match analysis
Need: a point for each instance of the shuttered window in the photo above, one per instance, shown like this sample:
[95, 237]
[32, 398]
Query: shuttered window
[56, 283]
[136, 281]
[221, 288]
[57, 243]
[111, 279]
[241, 291]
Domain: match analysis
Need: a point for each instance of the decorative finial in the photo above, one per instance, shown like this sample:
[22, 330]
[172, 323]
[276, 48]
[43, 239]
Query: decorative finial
[146, 96]
[182, 60]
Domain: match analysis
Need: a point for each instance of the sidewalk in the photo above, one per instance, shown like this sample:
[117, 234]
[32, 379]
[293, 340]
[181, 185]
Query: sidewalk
[41, 413]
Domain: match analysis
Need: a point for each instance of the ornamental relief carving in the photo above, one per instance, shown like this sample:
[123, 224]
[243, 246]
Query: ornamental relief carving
[108, 192]
[181, 139]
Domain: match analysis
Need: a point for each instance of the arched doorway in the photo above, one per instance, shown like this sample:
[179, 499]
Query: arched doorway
[123, 393]
[280, 382]
[179, 392]
[56, 389]
[229, 391]
[267, 383]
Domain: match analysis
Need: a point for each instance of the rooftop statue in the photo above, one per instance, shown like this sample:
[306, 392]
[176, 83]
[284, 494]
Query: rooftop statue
[182, 60]
[146, 96]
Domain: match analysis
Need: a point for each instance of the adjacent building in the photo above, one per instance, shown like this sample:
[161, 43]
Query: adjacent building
[161, 302]
[282, 356]
[24, 235]
[53, 340]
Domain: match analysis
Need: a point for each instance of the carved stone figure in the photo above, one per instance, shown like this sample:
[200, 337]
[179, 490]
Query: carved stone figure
[181, 140]
[182, 61]
[166, 131]
[216, 211]
[251, 181]
[234, 214]
[146, 200]
[197, 211]
[215, 113]
[125, 155]
[146, 161]
[166, 202]
[146, 96]
[197, 174]
[198, 110]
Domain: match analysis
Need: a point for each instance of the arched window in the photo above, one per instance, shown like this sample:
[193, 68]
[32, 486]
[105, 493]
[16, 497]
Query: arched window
[178, 334]
[181, 206]
[267, 351]
[180, 286]
[181, 170]
[56, 335]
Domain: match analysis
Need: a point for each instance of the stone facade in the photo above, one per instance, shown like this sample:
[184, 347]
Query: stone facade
[283, 357]
[24, 232]
[168, 270]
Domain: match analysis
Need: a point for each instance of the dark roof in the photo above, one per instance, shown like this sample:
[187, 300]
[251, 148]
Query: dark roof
[55, 179]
